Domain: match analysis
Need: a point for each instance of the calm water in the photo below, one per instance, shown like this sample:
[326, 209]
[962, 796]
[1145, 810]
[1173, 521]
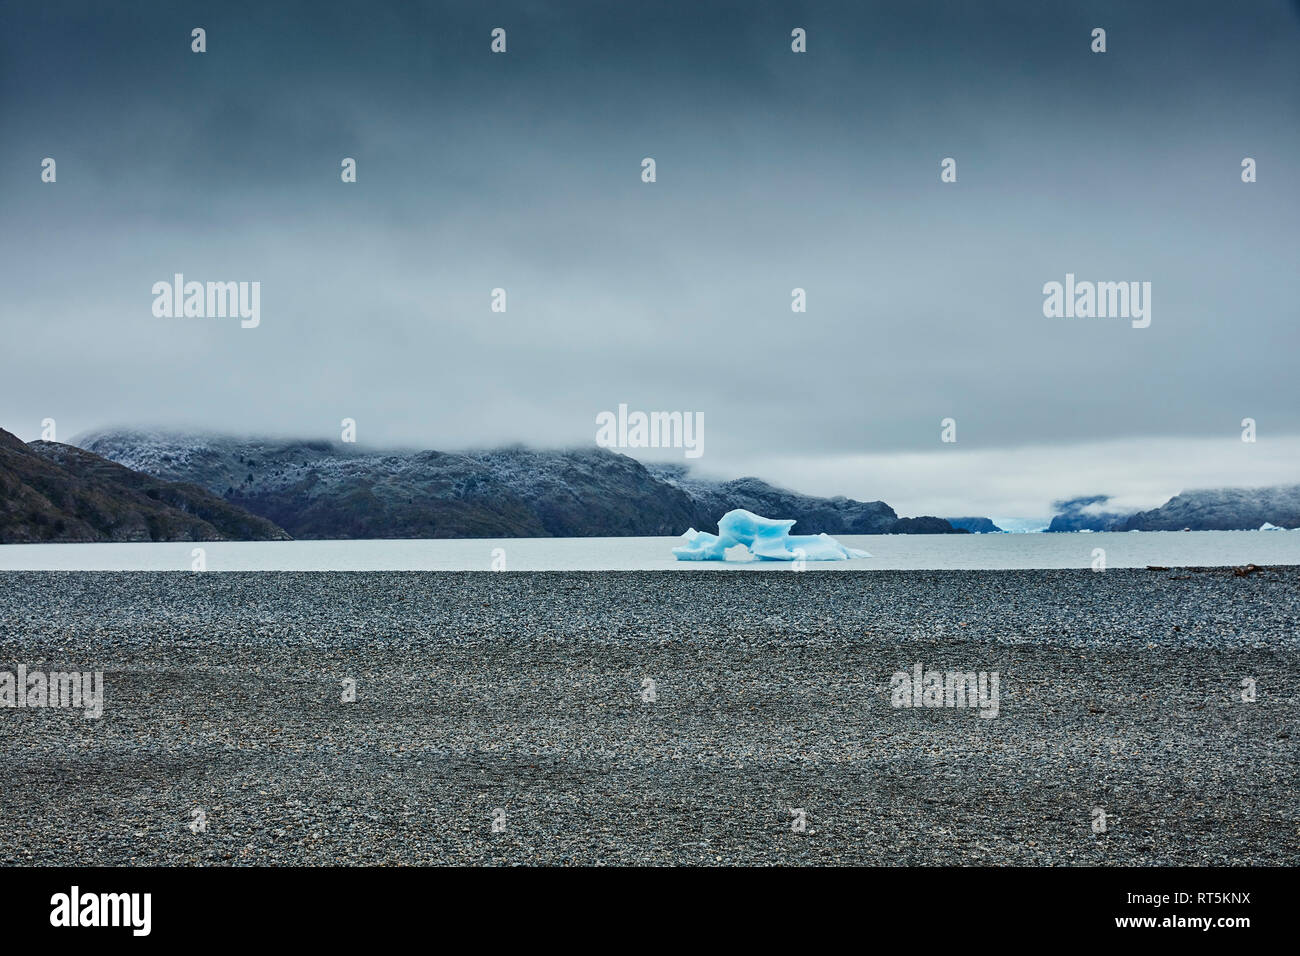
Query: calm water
[889, 552]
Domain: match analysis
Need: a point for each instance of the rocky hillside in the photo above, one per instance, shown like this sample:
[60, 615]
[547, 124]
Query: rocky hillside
[1221, 509]
[57, 493]
[325, 490]
[837, 515]
[712, 499]
[975, 525]
[1086, 514]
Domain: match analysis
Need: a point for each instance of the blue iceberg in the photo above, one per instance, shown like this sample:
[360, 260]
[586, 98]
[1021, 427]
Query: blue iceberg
[752, 537]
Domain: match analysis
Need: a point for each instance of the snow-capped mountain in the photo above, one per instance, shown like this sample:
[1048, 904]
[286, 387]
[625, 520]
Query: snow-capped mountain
[317, 489]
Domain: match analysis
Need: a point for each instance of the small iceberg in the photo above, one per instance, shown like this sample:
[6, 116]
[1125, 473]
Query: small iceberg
[745, 536]
[1269, 526]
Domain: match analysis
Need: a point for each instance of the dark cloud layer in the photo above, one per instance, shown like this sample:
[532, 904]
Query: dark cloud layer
[775, 170]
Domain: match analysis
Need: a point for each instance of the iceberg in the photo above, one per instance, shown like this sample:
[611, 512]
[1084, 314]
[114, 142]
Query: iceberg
[745, 536]
[1269, 526]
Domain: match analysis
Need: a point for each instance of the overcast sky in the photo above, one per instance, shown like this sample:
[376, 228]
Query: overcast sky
[775, 170]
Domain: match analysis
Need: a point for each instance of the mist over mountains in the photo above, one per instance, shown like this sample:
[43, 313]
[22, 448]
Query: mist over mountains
[1088, 513]
[317, 489]
[150, 486]
[1213, 509]
[51, 492]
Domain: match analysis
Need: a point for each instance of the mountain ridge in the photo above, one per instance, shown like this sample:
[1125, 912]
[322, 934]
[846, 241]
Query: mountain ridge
[319, 489]
[50, 492]
[1203, 509]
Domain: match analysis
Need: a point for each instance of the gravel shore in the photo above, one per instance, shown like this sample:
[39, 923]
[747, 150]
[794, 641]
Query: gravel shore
[527, 693]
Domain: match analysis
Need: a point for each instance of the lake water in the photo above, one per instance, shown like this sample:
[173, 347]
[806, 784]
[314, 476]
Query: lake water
[889, 552]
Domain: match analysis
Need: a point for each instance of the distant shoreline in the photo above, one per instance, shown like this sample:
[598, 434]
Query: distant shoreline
[1102, 551]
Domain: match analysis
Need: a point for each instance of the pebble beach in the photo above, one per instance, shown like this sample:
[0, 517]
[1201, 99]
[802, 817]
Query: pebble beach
[648, 718]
